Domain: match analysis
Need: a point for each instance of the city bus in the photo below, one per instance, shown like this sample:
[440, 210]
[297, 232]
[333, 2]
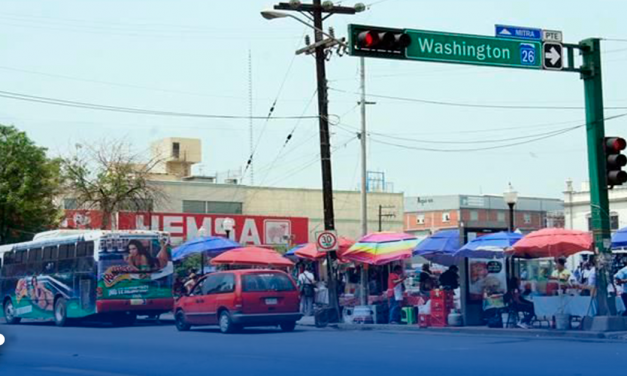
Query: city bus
[66, 275]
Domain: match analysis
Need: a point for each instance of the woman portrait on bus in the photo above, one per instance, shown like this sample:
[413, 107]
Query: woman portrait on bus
[41, 296]
[140, 257]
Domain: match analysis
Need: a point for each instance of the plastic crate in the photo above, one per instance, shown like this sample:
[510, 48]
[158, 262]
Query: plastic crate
[424, 321]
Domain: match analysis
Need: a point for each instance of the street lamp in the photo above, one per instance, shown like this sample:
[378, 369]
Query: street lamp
[273, 15]
[227, 225]
[511, 197]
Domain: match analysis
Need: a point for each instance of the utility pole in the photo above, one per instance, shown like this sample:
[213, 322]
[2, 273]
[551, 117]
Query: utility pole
[364, 192]
[316, 11]
[599, 201]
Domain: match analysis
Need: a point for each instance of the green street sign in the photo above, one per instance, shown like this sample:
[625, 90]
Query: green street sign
[473, 49]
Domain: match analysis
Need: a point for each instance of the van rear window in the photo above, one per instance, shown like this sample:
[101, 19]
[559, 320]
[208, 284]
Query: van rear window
[266, 282]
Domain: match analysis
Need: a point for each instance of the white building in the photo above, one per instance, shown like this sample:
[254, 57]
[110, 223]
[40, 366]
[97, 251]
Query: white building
[577, 211]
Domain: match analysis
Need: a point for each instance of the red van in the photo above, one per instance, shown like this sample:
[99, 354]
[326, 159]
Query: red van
[238, 298]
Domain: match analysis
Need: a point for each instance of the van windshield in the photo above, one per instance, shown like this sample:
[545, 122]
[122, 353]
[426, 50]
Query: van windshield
[266, 282]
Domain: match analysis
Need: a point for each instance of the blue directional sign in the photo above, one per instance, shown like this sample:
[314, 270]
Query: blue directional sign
[515, 32]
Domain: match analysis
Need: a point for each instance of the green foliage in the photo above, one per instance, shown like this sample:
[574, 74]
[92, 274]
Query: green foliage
[29, 182]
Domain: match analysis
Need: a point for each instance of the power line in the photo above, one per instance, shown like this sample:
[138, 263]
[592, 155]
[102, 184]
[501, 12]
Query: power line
[100, 107]
[470, 105]
[553, 134]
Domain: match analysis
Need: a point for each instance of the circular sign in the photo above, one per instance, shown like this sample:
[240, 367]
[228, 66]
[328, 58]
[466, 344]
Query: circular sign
[326, 241]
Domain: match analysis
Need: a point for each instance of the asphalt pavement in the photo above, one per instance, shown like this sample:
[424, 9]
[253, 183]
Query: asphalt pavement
[158, 349]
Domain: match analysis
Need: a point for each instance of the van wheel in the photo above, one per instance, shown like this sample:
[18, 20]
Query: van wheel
[60, 312]
[9, 313]
[288, 326]
[180, 322]
[226, 324]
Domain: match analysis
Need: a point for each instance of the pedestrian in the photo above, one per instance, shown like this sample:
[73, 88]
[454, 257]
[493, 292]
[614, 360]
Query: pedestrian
[621, 279]
[449, 280]
[426, 279]
[307, 283]
[395, 293]
[589, 278]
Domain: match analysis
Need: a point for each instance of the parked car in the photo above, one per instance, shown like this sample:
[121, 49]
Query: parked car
[240, 298]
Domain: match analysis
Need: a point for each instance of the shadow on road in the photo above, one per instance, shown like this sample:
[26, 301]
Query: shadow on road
[97, 324]
[247, 331]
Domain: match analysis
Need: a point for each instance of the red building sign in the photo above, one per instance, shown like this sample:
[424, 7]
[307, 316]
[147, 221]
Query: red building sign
[257, 230]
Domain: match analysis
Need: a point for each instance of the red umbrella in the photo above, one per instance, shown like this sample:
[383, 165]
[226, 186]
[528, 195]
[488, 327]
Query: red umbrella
[310, 251]
[552, 242]
[252, 256]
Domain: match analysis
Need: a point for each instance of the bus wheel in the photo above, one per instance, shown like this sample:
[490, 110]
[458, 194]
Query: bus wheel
[9, 313]
[60, 312]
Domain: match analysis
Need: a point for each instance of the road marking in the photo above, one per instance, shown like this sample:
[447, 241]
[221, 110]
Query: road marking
[76, 371]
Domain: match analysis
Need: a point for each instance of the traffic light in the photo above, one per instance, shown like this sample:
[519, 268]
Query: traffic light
[615, 161]
[382, 42]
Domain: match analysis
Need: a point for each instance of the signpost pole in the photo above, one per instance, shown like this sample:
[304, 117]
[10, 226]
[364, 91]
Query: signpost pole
[599, 202]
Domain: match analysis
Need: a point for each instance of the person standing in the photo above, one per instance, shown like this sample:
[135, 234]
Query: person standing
[449, 280]
[426, 279]
[589, 279]
[621, 280]
[307, 283]
[395, 293]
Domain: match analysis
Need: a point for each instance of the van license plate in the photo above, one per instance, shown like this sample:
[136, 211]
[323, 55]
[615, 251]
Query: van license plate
[271, 301]
[138, 301]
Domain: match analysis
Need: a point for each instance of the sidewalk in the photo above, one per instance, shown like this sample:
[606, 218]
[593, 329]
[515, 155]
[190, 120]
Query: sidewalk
[475, 330]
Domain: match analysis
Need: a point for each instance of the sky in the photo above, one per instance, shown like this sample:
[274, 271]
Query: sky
[192, 56]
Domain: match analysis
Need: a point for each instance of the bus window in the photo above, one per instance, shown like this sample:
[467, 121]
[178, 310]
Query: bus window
[34, 255]
[50, 253]
[81, 249]
[63, 251]
[20, 257]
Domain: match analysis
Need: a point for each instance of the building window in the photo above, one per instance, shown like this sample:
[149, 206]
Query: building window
[70, 204]
[446, 217]
[176, 150]
[474, 215]
[614, 223]
[527, 218]
[500, 216]
[212, 207]
[420, 219]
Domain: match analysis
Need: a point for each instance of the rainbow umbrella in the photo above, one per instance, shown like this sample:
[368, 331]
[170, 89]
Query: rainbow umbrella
[381, 248]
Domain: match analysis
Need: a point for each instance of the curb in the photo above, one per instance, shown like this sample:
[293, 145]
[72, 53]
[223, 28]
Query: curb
[484, 331]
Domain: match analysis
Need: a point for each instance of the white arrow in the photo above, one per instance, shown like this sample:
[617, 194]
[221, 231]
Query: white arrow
[554, 55]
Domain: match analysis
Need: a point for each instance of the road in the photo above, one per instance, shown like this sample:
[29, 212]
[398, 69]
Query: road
[158, 349]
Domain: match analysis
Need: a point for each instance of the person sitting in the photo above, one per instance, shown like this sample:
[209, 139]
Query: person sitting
[449, 280]
[191, 282]
[515, 299]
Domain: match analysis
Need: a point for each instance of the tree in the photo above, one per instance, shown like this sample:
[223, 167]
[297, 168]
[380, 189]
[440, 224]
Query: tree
[29, 183]
[110, 177]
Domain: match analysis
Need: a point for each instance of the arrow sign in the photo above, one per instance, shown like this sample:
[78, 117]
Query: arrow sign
[552, 56]
[517, 32]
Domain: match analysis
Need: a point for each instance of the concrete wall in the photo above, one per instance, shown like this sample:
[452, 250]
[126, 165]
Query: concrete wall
[290, 202]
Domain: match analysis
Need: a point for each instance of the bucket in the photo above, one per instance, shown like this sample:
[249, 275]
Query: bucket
[455, 319]
[505, 319]
[347, 315]
[562, 322]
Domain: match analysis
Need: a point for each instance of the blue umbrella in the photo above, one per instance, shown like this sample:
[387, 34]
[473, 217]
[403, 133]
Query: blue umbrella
[291, 252]
[439, 247]
[619, 239]
[205, 245]
[489, 246]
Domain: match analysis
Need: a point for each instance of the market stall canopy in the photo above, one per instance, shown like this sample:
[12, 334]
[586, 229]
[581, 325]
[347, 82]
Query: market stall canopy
[209, 245]
[619, 239]
[292, 251]
[489, 246]
[252, 256]
[440, 247]
[552, 242]
[310, 251]
[381, 248]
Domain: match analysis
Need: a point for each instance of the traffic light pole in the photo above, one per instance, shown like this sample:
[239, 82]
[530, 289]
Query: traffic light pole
[599, 201]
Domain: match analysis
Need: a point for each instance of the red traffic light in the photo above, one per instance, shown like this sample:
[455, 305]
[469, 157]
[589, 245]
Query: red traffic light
[615, 144]
[383, 40]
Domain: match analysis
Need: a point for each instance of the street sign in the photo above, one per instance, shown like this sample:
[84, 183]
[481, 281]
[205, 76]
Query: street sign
[473, 49]
[516, 32]
[326, 241]
[552, 36]
[552, 58]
